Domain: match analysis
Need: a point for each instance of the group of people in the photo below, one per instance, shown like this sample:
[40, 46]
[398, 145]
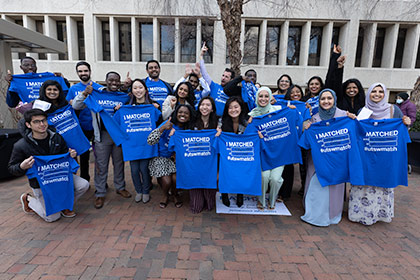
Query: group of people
[196, 102]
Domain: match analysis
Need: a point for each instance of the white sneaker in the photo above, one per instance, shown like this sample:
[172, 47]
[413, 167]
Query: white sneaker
[138, 197]
[146, 198]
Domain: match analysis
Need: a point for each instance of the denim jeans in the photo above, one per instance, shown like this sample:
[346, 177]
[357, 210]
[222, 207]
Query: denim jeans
[141, 184]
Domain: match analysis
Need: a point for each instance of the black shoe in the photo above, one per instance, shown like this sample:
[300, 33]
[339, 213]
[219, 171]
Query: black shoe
[239, 199]
[225, 199]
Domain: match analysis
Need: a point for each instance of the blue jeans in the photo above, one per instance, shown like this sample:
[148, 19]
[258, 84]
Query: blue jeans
[141, 184]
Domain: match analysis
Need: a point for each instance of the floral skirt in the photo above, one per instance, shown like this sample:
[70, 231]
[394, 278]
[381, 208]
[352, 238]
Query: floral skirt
[161, 166]
[368, 204]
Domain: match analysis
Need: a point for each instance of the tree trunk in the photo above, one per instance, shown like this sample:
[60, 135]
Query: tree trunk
[231, 12]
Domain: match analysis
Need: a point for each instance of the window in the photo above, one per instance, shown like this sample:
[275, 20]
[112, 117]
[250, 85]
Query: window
[335, 37]
[81, 40]
[251, 44]
[315, 42]
[124, 33]
[167, 42]
[272, 45]
[188, 32]
[207, 36]
[39, 27]
[379, 47]
[293, 45]
[62, 36]
[402, 33]
[418, 57]
[359, 49]
[20, 22]
[106, 43]
[146, 41]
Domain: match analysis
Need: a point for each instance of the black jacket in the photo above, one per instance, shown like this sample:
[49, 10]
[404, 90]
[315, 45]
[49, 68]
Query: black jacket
[27, 147]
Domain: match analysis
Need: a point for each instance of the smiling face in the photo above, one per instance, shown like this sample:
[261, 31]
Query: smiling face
[38, 124]
[138, 90]
[295, 94]
[153, 70]
[183, 91]
[284, 83]
[377, 94]
[193, 81]
[52, 92]
[183, 115]
[263, 98]
[314, 86]
[205, 108]
[326, 101]
[113, 82]
[28, 66]
[83, 72]
[226, 77]
[352, 90]
[234, 110]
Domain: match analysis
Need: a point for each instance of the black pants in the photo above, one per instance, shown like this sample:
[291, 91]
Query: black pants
[288, 176]
[84, 158]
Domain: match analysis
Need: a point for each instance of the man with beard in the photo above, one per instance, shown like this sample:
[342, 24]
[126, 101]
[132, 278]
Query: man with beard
[158, 89]
[104, 146]
[85, 117]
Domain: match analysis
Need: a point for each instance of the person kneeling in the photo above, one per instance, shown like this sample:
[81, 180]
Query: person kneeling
[39, 140]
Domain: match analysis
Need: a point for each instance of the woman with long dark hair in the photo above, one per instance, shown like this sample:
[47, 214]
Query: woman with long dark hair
[184, 94]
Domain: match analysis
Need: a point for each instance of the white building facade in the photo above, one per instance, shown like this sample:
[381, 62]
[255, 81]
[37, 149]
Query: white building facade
[379, 38]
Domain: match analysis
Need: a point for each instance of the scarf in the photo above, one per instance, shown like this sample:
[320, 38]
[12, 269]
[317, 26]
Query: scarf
[382, 109]
[327, 114]
[259, 110]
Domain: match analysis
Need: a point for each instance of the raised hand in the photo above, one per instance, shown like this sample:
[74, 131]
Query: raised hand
[341, 60]
[204, 49]
[337, 48]
[128, 81]
[188, 70]
[166, 126]
[197, 70]
[88, 90]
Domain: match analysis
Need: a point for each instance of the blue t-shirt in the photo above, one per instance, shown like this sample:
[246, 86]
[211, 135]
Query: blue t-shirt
[163, 144]
[196, 159]
[109, 99]
[27, 85]
[300, 106]
[65, 122]
[248, 92]
[384, 152]
[278, 97]
[137, 121]
[240, 163]
[85, 117]
[158, 91]
[335, 151]
[314, 102]
[113, 128]
[55, 177]
[281, 131]
[219, 96]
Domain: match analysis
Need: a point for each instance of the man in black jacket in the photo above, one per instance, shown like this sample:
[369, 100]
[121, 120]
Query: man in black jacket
[39, 140]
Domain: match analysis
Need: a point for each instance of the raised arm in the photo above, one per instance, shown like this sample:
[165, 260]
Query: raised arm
[203, 70]
[334, 79]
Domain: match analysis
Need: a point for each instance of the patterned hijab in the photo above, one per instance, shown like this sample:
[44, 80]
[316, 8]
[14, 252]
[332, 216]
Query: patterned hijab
[382, 109]
[327, 114]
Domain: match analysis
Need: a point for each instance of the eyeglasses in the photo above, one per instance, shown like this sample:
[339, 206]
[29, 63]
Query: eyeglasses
[39, 121]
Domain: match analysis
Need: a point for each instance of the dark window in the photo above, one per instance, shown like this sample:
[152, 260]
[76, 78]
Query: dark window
[167, 42]
[293, 45]
[188, 32]
[39, 26]
[402, 33]
[251, 44]
[335, 37]
[106, 43]
[81, 40]
[207, 31]
[272, 45]
[146, 41]
[315, 46]
[20, 22]
[62, 36]
[379, 47]
[124, 32]
[360, 39]
[418, 57]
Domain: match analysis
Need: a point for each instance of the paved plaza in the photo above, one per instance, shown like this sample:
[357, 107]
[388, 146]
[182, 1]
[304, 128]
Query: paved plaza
[128, 240]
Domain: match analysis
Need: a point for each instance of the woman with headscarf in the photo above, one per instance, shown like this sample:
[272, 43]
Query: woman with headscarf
[323, 205]
[370, 204]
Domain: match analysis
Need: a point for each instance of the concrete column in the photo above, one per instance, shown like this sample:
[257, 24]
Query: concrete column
[6, 117]
[242, 35]
[390, 46]
[326, 44]
[284, 37]
[97, 43]
[114, 38]
[135, 41]
[262, 42]
[30, 23]
[177, 41]
[198, 42]
[51, 31]
[368, 45]
[304, 44]
[156, 39]
[411, 46]
[72, 42]
[219, 44]
[91, 33]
